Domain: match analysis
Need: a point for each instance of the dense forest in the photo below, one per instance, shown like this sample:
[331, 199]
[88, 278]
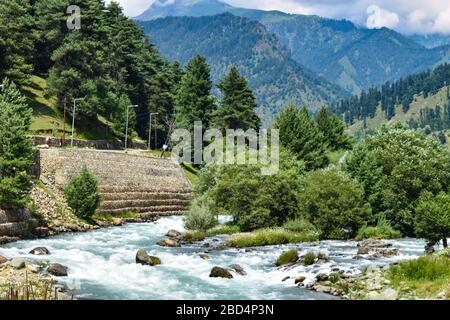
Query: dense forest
[391, 95]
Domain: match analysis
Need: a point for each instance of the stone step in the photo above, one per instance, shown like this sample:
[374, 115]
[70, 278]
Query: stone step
[125, 196]
[105, 189]
[117, 204]
[155, 209]
[147, 215]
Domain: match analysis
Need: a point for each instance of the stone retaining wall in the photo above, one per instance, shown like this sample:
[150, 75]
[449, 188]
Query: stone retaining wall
[16, 222]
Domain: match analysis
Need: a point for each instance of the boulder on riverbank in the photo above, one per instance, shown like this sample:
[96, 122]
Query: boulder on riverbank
[40, 251]
[174, 234]
[219, 272]
[3, 260]
[57, 270]
[18, 263]
[143, 258]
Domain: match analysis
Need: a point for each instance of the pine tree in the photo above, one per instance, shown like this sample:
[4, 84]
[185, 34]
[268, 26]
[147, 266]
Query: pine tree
[238, 104]
[17, 38]
[333, 130]
[300, 134]
[194, 101]
[16, 154]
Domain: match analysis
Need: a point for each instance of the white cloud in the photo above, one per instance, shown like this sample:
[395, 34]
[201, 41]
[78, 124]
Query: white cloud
[379, 17]
[442, 23]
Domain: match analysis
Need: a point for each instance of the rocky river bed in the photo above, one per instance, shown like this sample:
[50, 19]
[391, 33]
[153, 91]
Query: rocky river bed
[102, 264]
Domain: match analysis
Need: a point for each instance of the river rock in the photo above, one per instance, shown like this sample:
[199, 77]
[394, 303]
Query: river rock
[363, 250]
[174, 234]
[322, 277]
[42, 232]
[285, 279]
[238, 269]
[3, 260]
[143, 258]
[372, 243]
[218, 272]
[168, 243]
[388, 294]
[204, 256]
[40, 251]
[380, 253]
[57, 270]
[18, 263]
[300, 279]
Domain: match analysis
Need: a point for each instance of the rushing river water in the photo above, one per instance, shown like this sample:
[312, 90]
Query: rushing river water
[102, 265]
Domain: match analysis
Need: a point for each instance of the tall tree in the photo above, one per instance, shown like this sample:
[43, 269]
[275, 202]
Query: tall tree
[333, 130]
[17, 38]
[16, 154]
[194, 100]
[238, 104]
[300, 134]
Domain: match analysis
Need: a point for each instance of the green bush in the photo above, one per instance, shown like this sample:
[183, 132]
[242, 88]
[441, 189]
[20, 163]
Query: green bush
[287, 257]
[303, 227]
[427, 268]
[432, 219]
[383, 230]
[335, 277]
[309, 259]
[82, 194]
[334, 203]
[199, 217]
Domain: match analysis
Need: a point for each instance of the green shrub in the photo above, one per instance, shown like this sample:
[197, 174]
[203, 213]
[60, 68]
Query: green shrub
[427, 268]
[193, 236]
[334, 203]
[303, 227]
[287, 257]
[335, 277]
[432, 219]
[309, 259]
[199, 217]
[383, 230]
[266, 237]
[82, 194]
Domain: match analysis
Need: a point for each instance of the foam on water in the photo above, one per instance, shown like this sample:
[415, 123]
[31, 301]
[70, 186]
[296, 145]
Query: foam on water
[102, 265]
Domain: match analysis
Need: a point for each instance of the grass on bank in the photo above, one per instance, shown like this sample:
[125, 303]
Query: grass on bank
[426, 277]
[201, 235]
[267, 237]
[128, 215]
[190, 172]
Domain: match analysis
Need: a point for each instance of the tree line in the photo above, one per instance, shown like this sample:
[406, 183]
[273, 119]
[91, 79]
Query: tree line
[391, 95]
[112, 64]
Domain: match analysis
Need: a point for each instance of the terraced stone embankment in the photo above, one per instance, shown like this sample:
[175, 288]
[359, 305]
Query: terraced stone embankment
[128, 182]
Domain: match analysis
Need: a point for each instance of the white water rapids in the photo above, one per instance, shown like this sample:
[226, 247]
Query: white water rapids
[102, 265]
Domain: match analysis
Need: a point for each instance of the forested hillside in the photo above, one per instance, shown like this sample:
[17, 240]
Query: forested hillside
[227, 40]
[352, 57]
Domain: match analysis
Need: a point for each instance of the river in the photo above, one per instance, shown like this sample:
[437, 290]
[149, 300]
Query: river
[102, 265]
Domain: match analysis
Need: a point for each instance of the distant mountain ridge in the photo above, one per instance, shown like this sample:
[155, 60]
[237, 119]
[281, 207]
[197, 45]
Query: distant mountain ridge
[353, 58]
[227, 40]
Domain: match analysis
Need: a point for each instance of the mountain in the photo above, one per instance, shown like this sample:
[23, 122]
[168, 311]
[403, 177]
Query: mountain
[180, 8]
[352, 57]
[227, 40]
[431, 40]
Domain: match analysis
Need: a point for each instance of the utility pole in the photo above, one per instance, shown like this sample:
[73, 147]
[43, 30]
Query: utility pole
[150, 130]
[126, 129]
[73, 118]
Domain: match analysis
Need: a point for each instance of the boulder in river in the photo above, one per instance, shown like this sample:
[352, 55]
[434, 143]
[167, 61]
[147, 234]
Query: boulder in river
[204, 256]
[218, 272]
[143, 258]
[3, 260]
[300, 279]
[238, 269]
[57, 270]
[174, 234]
[18, 263]
[372, 243]
[167, 242]
[40, 251]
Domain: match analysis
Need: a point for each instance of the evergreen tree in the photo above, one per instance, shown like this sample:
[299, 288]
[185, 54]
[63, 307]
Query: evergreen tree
[16, 154]
[17, 38]
[301, 134]
[333, 130]
[238, 104]
[194, 101]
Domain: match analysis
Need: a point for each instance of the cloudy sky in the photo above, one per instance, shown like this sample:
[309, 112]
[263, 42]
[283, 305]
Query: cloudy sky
[406, 16]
